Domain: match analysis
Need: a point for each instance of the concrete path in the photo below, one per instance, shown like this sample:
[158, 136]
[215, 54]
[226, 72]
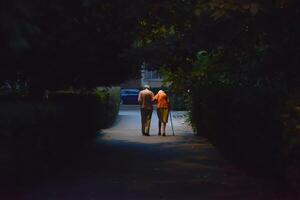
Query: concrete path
[128, 127]
[123, 164]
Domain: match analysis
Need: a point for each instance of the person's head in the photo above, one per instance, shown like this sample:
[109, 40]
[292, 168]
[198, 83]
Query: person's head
[147, 87]
[160, 91]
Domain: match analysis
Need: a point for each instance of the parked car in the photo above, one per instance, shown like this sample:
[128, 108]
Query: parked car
[129, 96]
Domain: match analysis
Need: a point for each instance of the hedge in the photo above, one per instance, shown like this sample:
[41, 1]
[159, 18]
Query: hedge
[244, 123]
[256, 127]
[39, 135]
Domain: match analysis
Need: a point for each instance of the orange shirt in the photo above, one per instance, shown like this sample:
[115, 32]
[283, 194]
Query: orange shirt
[162, 100]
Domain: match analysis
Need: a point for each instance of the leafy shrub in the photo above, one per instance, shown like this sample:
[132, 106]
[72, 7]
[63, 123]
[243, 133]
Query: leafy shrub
[111, 99]
[237, 108]
[291, 149]
[243, 122]
[37, 135]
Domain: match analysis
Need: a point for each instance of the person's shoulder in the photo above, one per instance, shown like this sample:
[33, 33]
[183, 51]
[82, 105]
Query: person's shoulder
[149, 91]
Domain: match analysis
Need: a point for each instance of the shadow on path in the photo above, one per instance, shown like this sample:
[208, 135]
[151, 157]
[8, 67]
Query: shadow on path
[123, 164]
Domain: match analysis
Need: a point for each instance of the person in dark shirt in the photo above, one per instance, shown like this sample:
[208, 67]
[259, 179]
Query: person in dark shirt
[145, 100]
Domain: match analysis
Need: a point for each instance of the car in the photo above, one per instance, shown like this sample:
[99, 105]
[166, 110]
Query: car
[129, 96]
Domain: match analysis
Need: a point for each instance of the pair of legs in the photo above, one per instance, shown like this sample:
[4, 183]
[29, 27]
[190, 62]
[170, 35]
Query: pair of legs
[164, 124]
[162, 114]
[146, 115]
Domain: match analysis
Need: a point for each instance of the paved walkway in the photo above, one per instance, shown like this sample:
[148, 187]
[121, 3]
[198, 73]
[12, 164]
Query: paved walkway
[123, 164]
[128, 127]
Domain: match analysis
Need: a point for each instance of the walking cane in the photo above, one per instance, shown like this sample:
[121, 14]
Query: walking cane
[171, 122]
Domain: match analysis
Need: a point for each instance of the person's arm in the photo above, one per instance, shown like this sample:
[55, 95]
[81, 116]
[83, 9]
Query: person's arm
[154, 98]
[140, 98]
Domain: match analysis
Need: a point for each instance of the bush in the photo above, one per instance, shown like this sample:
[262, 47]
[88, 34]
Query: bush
[243, 122]
[36, 135]
[291, 149]
[178, 101]
[111, 99]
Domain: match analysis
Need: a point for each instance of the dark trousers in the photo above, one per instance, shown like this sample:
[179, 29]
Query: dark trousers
[146, 115]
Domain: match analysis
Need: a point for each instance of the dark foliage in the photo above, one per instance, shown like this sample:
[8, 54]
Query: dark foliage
[37, 137]
[244, 123]
[237, 61]
[58, 44]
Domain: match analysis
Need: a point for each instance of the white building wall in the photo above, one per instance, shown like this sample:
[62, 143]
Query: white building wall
[152, 78]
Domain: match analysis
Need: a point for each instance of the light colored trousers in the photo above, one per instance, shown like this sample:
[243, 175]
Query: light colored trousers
[146, 115]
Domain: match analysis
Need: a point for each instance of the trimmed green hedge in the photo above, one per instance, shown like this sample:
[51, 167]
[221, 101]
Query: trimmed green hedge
[35, 134]
[291, 149]
[256, 127]
[244, 123]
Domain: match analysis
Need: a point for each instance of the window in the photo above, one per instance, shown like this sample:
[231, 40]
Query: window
[151, 75]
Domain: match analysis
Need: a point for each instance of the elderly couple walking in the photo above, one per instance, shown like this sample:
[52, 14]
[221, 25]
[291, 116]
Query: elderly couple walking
[146, 100]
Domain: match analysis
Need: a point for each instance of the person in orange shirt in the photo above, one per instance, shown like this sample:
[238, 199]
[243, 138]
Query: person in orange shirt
[163, 105]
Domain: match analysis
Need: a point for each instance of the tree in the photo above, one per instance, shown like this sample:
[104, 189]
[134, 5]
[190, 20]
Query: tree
[55, 44]
[238, 61]
[256, 38]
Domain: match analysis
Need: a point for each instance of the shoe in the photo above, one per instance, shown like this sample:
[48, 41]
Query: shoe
[159, 134]
[147, 134]
[163, 134]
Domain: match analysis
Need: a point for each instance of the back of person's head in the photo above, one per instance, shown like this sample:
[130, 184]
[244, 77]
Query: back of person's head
[147, 87]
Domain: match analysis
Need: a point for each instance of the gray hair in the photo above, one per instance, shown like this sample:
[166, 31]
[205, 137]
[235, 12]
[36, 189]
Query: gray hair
[146, 86]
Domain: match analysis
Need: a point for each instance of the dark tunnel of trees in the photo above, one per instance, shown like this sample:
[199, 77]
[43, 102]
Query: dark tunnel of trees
[236, 62]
